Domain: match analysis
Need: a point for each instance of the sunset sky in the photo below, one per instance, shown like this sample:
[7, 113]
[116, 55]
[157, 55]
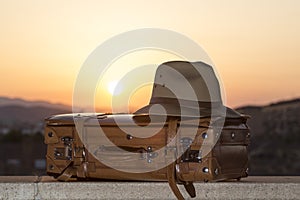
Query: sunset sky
[255, 45]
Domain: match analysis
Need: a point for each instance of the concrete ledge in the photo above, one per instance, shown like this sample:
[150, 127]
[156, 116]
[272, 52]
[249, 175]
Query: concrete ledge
[33, 187]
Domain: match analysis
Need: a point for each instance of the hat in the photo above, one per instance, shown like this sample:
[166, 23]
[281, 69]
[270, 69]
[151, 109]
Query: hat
[184, 88]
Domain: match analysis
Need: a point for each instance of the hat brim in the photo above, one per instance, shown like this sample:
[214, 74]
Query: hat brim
[185, 111]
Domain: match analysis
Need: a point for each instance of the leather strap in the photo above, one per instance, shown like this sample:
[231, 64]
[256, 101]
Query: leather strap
[171, 155]
[67, 173]
[171, 169]
[189, 187]
[172, 181]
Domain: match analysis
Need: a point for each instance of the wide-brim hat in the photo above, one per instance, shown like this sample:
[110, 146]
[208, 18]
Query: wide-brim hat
[186, 89]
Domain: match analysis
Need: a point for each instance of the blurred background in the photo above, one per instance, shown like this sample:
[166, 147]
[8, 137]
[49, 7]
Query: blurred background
[254, 45]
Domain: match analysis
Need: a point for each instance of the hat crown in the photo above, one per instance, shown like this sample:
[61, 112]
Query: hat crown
[181, 80]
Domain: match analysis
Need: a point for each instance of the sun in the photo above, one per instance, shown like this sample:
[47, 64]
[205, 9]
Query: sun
[113, 88]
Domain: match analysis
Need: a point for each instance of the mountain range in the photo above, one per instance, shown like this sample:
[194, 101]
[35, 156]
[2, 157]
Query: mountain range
[16, 113]
[6, 101]
[275, 138]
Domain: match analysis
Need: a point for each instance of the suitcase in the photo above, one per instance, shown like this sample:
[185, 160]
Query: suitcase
[177, 145]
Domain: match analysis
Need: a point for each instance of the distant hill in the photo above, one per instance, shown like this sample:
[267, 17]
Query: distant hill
[5, 101]
[277, 117]
[19, 113]
[275, 138]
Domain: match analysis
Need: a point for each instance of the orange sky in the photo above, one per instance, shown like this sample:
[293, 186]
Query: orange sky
[255, 45]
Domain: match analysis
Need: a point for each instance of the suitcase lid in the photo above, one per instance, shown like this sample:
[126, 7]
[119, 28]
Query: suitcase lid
[128, 119]
[102, 119]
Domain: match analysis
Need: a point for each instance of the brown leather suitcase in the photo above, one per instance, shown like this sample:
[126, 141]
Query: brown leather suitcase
[178, 146]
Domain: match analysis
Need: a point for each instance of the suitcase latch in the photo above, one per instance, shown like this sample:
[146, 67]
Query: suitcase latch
[189, 155]
[67, 140]
[64, 153]
[150, 155]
